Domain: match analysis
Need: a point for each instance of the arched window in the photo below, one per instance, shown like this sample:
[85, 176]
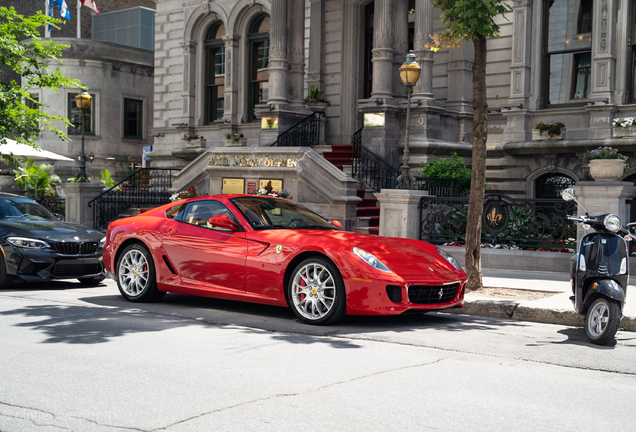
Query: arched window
[215, 73]
[258, 49]
[550, 185]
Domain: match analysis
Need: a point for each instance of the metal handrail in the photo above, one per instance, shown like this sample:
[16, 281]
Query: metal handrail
[370, 168]
[305, 133]
[145, 186]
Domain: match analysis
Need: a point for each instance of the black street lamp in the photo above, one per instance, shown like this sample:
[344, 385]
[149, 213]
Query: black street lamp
[409, 73]
[83, 102]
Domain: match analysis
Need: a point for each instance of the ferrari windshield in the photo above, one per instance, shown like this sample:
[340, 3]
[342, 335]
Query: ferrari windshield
[269, 213]
[21, 208]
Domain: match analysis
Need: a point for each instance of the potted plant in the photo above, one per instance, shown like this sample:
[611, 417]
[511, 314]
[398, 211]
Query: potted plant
[190, 193]
[193, 140]
[7, 178]
[606, 163]
[106, 179]
[624, 127]
[315, 101]
[235, 140]
[546, 131]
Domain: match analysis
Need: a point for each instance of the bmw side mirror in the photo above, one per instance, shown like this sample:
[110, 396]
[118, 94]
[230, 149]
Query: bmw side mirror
[59, 217]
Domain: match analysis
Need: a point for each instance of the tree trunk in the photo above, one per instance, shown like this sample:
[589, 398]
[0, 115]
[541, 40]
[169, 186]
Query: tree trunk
[478, 171]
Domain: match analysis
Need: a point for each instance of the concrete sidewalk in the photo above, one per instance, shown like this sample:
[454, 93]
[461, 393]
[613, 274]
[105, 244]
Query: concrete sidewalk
[534, 296]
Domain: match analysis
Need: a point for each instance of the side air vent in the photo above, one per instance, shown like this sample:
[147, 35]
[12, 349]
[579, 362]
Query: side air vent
[394, 292]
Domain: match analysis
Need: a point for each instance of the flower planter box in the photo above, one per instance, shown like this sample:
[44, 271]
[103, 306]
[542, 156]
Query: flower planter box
[317, 106]
[607, 169]
[232, 143]
[538, 135]
[6, 181]
[621, 132]
[195, 143]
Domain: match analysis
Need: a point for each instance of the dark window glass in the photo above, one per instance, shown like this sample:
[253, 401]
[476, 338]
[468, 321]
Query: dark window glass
[585, 17]
[215, 72]
[269, 213]
[551, 185]
[133, 118]
[199, 213]
[75, 116]
[581, 80]
[258, 63]
[367, 80]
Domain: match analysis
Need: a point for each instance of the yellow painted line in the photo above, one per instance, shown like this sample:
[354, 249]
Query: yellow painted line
[362, 280]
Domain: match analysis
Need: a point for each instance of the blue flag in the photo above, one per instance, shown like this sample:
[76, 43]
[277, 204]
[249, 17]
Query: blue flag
[49, 12]
[61, 4]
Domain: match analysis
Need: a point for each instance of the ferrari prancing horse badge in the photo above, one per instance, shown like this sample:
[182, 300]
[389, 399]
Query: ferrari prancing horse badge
[279, 248]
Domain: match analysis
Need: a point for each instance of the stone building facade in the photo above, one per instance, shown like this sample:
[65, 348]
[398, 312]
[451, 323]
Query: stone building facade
[222, 65]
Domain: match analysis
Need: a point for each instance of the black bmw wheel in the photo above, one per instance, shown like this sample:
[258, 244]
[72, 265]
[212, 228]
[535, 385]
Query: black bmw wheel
[136, 275]
[316, 292]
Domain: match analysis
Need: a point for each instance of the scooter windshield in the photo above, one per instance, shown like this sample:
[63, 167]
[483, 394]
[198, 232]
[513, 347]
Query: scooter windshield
[603, 253]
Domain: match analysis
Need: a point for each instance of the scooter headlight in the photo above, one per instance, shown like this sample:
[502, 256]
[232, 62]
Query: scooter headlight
[612, 223]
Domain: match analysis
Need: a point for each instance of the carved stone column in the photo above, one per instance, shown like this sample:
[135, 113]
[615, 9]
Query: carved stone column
[400, 44]
[278, 79]
[189, 74]
[316, 42]
[296, 54]
[460, 88]
[604, 50]
[423, 90]
[383, 51]
[230, 112]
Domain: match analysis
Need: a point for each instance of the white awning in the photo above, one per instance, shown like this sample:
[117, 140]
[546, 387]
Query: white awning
[18, 149]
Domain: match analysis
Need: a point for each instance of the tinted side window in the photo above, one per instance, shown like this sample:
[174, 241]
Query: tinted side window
[199, 213]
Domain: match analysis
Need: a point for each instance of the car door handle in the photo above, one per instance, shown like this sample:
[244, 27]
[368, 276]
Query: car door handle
[172, 231]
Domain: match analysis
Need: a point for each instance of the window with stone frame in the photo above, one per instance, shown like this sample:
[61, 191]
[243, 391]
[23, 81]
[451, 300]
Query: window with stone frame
[75, 116]
[567, 52]
[133, 118]
[258, 61]
[215, 73]
[550, 185]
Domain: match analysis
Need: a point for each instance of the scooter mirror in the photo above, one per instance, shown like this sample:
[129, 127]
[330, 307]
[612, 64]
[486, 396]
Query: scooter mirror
[568, 194]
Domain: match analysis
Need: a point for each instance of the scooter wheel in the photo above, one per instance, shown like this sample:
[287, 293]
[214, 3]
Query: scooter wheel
[602, 320]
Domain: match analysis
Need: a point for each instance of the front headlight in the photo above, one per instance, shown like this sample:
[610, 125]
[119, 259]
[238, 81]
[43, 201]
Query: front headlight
[612, 223]
[449, 258]
[371, 260]
[28, 243]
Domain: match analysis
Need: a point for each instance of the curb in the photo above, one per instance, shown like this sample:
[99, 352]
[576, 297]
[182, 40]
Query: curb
[522, 310]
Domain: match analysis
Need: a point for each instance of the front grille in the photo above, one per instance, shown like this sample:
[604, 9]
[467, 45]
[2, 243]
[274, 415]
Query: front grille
[72, 248]
[431, 294]
[76, 269]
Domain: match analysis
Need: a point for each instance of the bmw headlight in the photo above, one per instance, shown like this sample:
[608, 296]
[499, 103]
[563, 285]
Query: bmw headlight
[612, 223]
[28, 243]
[371, 260]
[449, 258]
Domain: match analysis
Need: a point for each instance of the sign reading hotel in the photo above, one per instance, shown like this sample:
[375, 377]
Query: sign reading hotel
[242, 161]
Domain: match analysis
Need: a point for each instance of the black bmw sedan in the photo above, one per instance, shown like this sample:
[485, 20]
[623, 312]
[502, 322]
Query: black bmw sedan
[37, 247]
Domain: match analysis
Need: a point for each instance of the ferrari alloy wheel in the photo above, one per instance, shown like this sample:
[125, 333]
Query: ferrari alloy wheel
[602, 320]
[136, 275]
[316, 292]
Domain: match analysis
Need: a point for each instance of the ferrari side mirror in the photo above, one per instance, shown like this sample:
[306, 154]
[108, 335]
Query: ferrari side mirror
[223, 221]
[336, 223]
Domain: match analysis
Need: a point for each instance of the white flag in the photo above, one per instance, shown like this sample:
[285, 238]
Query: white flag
[91, 5]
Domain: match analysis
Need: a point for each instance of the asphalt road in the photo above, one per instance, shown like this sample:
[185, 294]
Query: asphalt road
[83, 359]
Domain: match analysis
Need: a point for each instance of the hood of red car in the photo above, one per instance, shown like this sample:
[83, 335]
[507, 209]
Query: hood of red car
[401, 258]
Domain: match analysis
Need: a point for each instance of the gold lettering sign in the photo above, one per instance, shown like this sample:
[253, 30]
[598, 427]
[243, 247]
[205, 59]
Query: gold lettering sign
[233, 186]
[242, 161]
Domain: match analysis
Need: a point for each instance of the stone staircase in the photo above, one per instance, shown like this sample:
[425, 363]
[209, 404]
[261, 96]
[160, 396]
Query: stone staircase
[368, 210]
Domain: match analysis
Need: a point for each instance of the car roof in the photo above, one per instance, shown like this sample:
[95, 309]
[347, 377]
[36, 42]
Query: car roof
[9, 195]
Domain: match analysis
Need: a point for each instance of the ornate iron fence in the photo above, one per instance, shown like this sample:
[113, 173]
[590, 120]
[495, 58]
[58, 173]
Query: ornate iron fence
[527, 223]
[370, 168]
[305, 133]
[147, 186]
[439, 187]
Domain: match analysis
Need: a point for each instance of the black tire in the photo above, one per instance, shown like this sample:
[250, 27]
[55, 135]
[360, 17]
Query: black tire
[5, 280]
[135, 273]
[316, 292]
[91, 281]
[602, 320]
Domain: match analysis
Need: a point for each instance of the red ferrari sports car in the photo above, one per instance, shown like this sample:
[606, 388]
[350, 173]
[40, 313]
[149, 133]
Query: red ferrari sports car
[272, 251]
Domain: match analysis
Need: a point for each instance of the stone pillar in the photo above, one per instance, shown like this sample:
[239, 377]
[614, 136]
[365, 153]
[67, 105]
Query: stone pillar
[297, 54]
[400, 212]
[604, 50]
[383, 51]
[189, 83]
[316, 42]
[400, 44]
[460, 88]
[602, 197]
[520, 67]
[278, 79]
[231, 90]
[77, 197]
[423, 90]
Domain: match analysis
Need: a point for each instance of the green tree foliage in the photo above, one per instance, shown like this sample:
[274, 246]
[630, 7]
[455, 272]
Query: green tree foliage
[39, 175]
[473, 20]
[22, 50]
[454, 168]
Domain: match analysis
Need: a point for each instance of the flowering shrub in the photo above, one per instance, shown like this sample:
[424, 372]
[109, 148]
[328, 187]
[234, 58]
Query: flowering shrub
[285, 193]
[7, 172]
[603, 153]
[627, 121]
[187, 137]
[315, 96]
[234, 137]
[190, 193]
[553, 128]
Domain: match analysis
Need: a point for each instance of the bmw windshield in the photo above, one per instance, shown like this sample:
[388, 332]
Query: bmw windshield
[269, 213]
[22, 208]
